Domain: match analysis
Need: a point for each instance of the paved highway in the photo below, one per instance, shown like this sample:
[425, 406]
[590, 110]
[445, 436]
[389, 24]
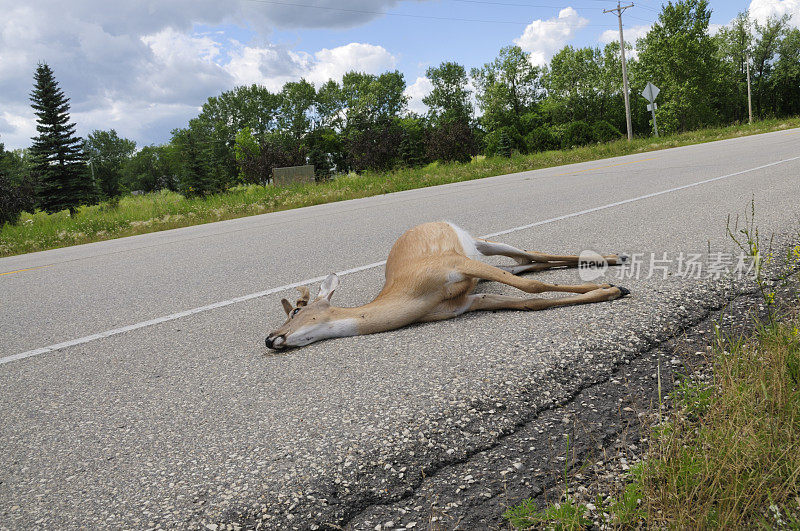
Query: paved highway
[135, 388]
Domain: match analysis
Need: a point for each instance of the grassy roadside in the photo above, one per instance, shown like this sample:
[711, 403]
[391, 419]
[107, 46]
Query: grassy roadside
[729, 456]
[168, 210]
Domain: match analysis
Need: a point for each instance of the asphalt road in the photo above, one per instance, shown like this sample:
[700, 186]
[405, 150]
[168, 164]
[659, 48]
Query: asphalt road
[190, 420]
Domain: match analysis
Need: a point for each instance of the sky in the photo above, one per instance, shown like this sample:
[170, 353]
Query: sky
[146, 67]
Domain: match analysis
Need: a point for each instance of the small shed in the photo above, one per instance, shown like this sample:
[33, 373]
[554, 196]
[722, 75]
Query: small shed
[293, 174]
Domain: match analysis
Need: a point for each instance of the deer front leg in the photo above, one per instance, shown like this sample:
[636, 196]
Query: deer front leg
[477, 269]
[535, 266]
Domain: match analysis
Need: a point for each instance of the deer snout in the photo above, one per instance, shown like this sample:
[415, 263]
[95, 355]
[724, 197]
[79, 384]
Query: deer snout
[275, 341]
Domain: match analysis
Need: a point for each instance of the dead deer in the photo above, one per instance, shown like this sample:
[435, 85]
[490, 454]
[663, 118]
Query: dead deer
[430, 275]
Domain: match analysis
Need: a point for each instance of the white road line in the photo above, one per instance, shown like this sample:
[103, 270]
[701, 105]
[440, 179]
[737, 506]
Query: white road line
[243, 298]
[625, 201]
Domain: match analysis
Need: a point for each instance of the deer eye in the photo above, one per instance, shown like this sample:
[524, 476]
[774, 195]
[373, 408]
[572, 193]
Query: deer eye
[294, 312]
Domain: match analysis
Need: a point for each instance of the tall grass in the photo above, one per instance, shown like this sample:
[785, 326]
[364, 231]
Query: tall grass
[728, 458]
[731, 457]
[167, 210]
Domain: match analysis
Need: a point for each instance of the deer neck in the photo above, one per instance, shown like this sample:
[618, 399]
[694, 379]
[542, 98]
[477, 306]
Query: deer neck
[380, 315]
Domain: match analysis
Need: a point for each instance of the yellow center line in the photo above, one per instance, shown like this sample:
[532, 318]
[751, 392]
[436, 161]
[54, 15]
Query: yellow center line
[21, 270]
[609, 166]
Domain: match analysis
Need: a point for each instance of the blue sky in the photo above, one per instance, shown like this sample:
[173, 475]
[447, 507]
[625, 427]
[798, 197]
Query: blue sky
[145, 67]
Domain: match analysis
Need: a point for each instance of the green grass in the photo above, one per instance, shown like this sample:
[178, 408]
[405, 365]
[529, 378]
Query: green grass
[564, 515]
[167, 210]
[729, 458]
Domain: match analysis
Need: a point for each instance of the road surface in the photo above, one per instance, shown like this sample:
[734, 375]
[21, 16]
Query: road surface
[136, 390]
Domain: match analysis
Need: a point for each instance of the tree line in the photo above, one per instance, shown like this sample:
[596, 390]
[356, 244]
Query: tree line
[506, 106]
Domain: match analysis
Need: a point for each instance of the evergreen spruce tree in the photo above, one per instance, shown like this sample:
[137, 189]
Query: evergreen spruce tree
[59, 161]
[504, 148]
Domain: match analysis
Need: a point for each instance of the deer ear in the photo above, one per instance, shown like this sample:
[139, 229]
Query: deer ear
[305, 295]
[328, 286]
[287, 306]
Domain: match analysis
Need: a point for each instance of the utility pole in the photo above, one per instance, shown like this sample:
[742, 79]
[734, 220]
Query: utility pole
[749, 95]
[619, 11]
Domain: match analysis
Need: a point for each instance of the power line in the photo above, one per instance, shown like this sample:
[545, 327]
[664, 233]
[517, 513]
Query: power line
[642, 19]
[408, 15]
[486, 2]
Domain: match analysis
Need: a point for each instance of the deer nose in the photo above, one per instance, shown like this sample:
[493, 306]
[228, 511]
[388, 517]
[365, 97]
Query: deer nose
[274, 342]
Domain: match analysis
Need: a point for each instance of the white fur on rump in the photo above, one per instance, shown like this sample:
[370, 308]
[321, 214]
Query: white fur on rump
[466, 240]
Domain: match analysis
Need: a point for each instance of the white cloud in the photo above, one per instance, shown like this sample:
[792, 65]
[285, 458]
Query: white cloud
[415, 92]
[334, 63]
[17, 126]
[542, 38]
[713, 29]
[761, 10]
[631, 34]
[181, 68]
[272, 66]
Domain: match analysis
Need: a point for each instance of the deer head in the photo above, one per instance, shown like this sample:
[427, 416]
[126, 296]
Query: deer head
[309, 321]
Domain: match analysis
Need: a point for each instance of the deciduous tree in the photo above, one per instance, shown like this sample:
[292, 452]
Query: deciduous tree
[507, 88]
[107, 154]
[450, 97]
[680, 57]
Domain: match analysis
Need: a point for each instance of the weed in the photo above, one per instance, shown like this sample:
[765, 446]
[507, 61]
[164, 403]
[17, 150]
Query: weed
[566, 515]
[560, 516]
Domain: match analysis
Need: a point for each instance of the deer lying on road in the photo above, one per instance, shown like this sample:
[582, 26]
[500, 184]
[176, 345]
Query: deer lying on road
[430, 274]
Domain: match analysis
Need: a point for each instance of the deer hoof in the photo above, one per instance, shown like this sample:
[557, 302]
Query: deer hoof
[623, 291]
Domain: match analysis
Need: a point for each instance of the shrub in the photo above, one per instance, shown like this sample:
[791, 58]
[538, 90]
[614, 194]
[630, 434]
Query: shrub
[150, 170]
[542, 138]
[577, 134]
[13, 200]
[412, 145]
[605, 132]
[530, 121]
[374, 145]
[451, 140]
[321, 162]
[326, 152]
[503, 141]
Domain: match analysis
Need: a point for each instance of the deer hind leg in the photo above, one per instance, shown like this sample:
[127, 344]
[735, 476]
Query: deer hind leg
[533, 261]
[490, 301]
[477, 269]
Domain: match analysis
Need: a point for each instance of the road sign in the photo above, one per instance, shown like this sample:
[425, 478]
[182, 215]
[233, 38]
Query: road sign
[650, 92]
